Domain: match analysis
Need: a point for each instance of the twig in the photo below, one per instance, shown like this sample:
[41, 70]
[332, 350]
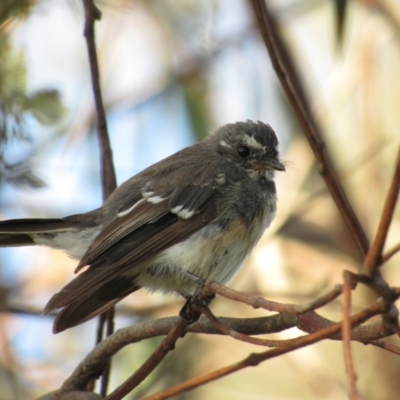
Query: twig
[309, 322]
[167, 345]
[259, 302]
[256, 358]
[363, 334]
[293, 88]
[101, 321]
[95, 361]
[237, 335]
[109, 322]
[109, 183]
[346, 334]
[387, 346]
[390, 253]
[374, 256]
[370, 273]
[291, 84]
[108, 179]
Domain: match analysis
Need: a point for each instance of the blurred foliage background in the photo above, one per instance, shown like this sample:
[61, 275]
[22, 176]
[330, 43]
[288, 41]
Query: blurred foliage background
[172, 71]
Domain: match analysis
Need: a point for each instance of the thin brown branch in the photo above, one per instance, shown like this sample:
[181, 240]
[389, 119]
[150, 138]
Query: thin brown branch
[108, 179]
[102, 322]
[167, 345]
[373, 330]
[346, 334]
[370, 273]
[256, 358]
[387, 346]
[292, 86]
[109, 322]
[237, 335]
[310, 322]
[259, 302]
[373, 258]
[95, 361]
[390, 253]
[291, 83]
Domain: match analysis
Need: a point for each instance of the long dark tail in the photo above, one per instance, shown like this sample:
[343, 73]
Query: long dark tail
[17, 232]
[89, 294]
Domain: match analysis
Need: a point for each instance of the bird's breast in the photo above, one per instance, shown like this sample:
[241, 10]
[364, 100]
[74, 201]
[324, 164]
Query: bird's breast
[215, 252]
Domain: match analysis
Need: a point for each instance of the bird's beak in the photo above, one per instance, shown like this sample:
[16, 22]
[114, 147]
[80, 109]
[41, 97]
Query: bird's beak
[276, 165]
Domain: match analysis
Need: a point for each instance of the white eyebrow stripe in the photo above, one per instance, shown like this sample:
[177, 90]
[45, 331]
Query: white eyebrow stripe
[224, 144]
[125, 212]
[250, 141]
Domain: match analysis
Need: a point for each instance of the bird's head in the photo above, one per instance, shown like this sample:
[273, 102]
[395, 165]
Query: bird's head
[252, 145]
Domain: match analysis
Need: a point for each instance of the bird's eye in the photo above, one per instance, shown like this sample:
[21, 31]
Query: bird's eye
[243, 151]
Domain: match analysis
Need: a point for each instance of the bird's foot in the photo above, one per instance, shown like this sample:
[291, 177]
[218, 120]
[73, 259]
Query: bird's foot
[190, 312]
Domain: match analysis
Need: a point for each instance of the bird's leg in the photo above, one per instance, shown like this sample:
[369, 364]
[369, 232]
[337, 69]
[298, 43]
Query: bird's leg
[198, 299]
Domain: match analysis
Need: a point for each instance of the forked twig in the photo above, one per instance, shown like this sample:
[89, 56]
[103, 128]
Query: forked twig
[167, 344]
[373, 258]
[289, 79]
[309, 322]
[237, 335]
[260, 302]
[256, 358]
[370, 273]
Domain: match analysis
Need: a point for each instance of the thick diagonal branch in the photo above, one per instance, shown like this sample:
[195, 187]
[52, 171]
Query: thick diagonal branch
[295, 93]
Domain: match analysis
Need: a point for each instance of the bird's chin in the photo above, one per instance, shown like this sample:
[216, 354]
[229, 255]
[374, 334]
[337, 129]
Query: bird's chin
[261, 173]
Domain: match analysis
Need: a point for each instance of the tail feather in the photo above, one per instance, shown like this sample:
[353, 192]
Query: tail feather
[87, 296]
[17, 232]
[36, 225]
[15, 240]
[77, 313]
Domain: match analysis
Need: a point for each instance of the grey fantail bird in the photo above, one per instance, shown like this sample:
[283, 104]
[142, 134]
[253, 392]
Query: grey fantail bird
[197, 213]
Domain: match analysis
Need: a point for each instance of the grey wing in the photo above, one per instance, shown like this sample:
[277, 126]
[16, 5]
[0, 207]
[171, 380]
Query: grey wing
[134, 225]
[136, 234]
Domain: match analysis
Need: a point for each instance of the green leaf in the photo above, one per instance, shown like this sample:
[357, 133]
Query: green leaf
[45, 106]
[14, 9]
